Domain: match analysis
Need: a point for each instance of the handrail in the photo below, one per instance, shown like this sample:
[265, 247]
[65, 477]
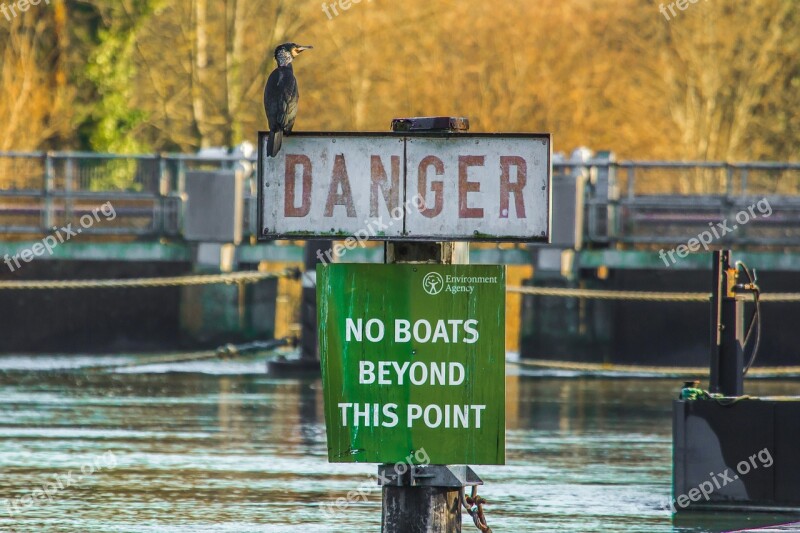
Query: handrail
[610, 205]
[766, 165]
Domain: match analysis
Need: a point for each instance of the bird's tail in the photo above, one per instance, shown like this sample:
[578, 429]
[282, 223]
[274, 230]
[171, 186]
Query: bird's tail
[274, 142]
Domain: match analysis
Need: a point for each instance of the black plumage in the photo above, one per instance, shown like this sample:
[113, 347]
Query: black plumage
[281, 96]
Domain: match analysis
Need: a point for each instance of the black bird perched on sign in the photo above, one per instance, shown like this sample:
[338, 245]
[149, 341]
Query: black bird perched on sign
[281, 96]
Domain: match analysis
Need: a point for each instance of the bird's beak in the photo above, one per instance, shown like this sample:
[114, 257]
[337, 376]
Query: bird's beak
[304, 48]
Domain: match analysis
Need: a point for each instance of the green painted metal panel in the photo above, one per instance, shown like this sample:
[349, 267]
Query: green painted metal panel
[105, 251]
[413, 357]
[180, 251]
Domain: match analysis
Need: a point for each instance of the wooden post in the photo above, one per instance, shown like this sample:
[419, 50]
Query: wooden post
[410, 507]
[308, 362]
[309, 347]
[421, 510]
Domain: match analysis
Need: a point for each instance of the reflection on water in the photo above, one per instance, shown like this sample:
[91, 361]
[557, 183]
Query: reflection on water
[216, 451]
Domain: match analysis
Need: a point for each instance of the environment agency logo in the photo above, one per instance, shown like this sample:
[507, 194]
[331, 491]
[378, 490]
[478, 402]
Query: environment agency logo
[433, 283]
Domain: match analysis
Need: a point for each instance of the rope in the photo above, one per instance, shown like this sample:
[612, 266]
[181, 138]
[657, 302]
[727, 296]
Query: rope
[691, 371]
[175, 281]
[610, 367]
[642, 295]
[780, 297]
[228, 351]
[255, 277]
[615, 295]
[225, 352]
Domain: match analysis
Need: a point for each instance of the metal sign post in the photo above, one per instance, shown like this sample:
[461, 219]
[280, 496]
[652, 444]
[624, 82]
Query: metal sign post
[729, 335]
[727, 330]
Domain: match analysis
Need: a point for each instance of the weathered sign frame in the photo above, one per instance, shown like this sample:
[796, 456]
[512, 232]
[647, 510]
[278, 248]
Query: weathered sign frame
[476, 236]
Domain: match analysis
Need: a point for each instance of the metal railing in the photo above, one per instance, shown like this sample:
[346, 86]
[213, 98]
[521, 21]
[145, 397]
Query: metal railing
[662, 203]
[628, 203]
[40, 191]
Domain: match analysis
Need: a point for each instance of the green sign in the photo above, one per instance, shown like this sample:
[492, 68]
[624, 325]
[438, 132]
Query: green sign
[413, 357]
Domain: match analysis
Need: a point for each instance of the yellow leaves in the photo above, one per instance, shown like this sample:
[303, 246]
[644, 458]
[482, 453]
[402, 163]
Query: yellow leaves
[717, 81]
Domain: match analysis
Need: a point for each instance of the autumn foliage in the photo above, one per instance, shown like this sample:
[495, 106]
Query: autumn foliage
[720, 81]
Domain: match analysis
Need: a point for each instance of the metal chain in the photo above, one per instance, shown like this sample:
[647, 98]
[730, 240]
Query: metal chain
[474, 506]
[175, 281]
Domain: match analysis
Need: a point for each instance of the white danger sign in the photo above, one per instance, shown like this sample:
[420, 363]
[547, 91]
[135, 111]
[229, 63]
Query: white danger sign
[391, 186]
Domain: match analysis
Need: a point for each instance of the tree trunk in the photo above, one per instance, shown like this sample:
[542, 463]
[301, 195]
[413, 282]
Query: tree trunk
[234, 46]
[199, 67]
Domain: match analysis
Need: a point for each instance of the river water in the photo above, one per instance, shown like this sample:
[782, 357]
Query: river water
[221, 447]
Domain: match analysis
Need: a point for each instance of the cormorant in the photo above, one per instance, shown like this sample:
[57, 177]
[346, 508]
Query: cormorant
[281, 96]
